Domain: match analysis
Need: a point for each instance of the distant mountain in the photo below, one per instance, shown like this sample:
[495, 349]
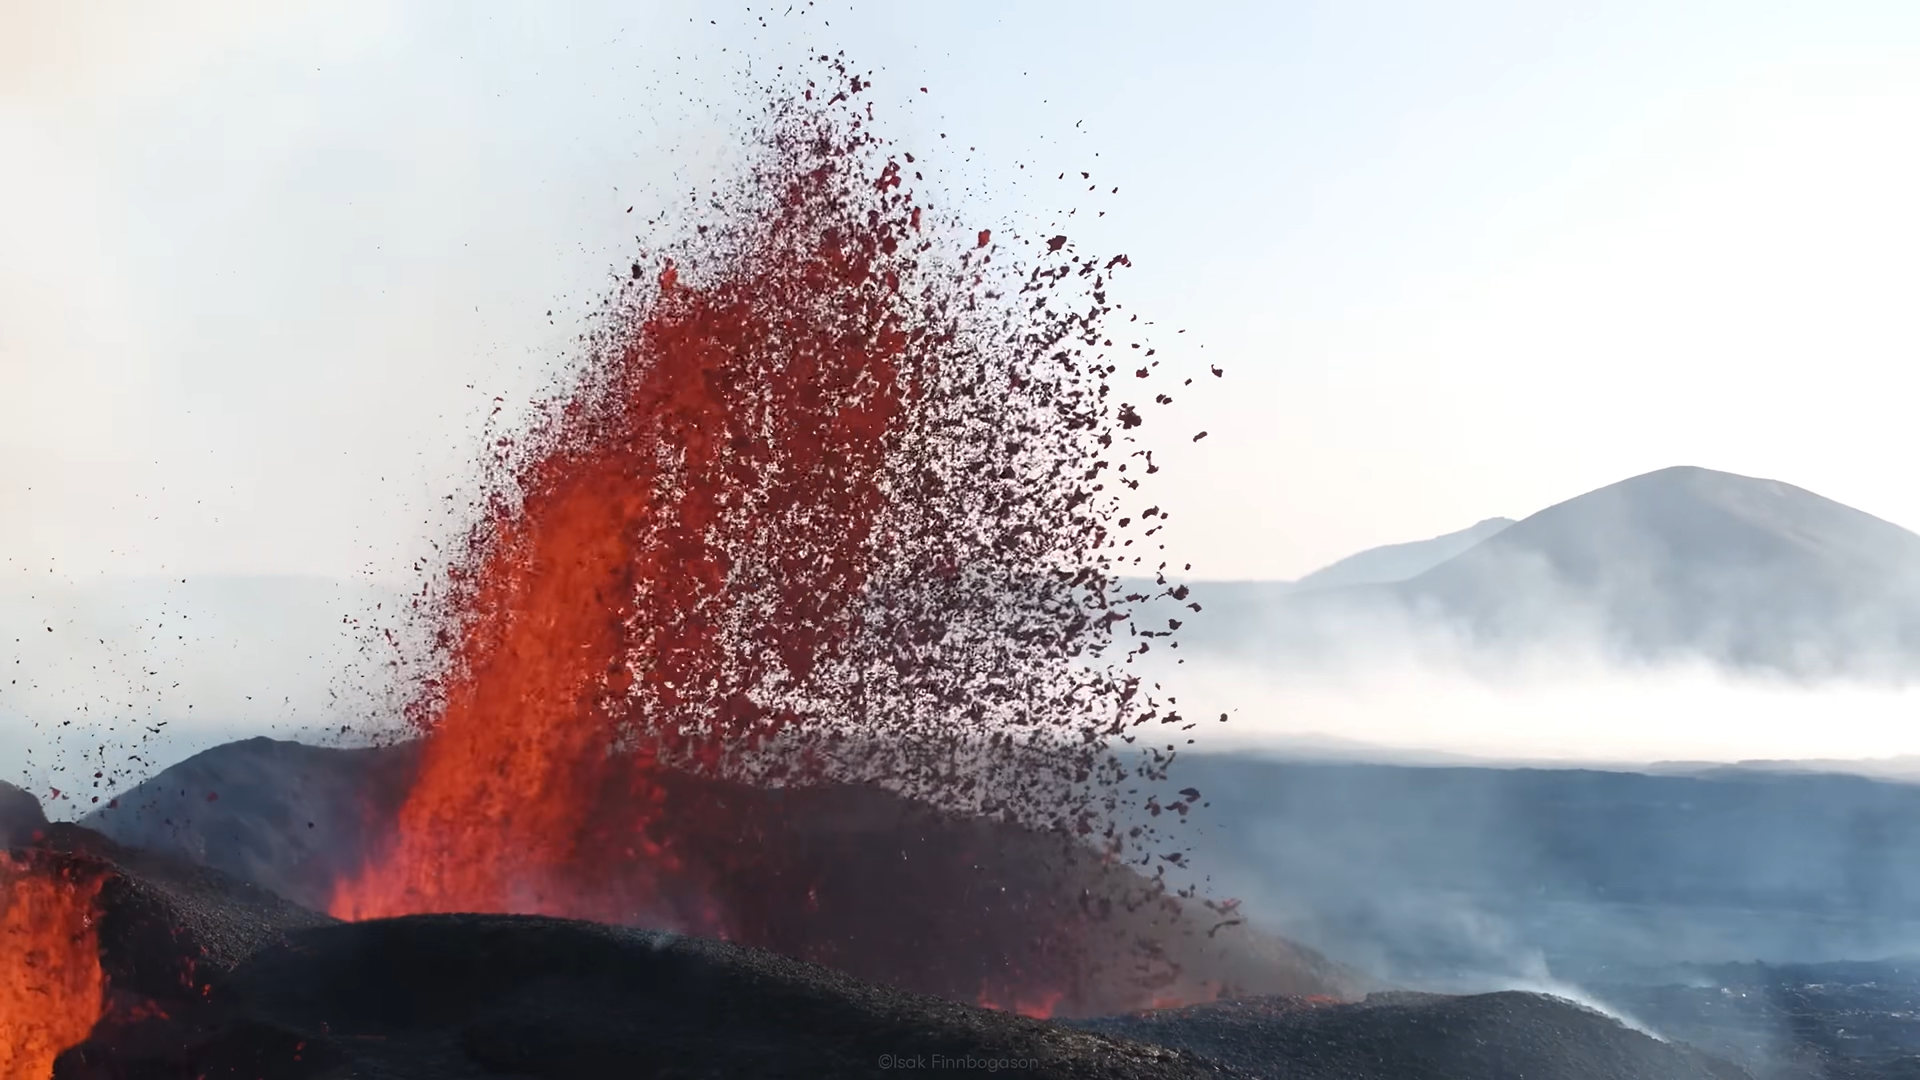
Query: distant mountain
[1683, 562]
[1240, 616]
[1398, 562]
[1747, 571]
[1900, 768]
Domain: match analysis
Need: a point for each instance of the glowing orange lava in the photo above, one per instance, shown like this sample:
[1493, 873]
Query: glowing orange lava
[51, 985]
[829, 499]
[723, 469]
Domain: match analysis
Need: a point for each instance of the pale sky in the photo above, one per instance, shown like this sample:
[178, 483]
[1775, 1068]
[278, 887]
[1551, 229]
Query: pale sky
[262, 267]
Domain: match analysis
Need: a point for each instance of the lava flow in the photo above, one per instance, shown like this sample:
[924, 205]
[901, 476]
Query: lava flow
[51, 986]
[829, 500]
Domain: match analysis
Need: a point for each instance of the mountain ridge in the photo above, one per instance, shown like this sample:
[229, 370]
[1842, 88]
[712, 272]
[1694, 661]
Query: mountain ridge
[1388, 563]
[1748, 571]
[1682, 563]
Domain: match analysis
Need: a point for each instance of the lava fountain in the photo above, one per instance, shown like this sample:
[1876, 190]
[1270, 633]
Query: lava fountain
[834, 494]
[51, 986]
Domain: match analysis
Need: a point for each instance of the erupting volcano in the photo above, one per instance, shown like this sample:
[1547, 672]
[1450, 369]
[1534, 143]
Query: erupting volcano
[51, 987]
[833, 497]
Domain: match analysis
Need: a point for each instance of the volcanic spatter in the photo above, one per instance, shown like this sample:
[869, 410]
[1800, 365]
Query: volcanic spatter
[834, 494]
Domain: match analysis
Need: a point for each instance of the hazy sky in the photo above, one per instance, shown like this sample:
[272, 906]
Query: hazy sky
[262, 267]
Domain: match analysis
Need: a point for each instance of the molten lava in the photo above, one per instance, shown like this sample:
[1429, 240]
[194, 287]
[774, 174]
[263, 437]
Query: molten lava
[745, 445]
[829, 497]
[51, 986]
[730, 462]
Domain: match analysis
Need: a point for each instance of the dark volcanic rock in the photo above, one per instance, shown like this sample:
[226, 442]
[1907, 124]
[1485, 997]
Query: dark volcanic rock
[288, 817]
[212, 978]
[20, 816]
[1403, 1036]
[167, 927]
[851, 876]
[469, 995]
[1856, 1020]
[860, 879]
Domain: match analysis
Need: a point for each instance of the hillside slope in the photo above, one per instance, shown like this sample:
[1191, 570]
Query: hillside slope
[1390, 563]
[1751, 572]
